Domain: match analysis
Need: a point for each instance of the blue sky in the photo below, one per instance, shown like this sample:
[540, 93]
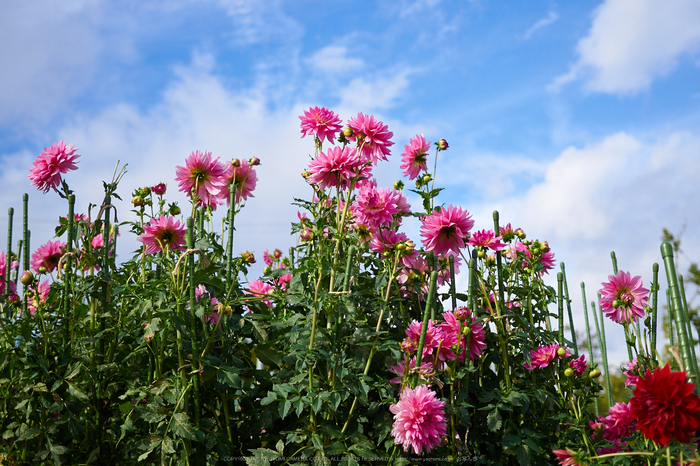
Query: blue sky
[578, 121]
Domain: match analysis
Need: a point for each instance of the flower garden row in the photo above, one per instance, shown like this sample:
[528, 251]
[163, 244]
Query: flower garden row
[354, 345]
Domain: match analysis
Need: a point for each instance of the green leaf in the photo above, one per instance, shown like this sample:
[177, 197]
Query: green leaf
[180, 425]
[284, 408]
[76, 392]
[227, 375]
[269, 356]
[271, 397]
[29, 434]
[510, 440]
[523, 456]
[493, 420]
[316, 405]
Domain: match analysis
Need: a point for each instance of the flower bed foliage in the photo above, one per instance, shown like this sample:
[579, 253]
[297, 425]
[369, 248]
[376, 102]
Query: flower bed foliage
[355, 347]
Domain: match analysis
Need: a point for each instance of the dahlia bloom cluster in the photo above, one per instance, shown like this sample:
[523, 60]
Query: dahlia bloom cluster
[419, 419]
[414, 157]
[48, 167]
[207, 180]
[372, 137]
[320, 123]
[446, 230]
[162, 234]
[47, 256]
[623, 298]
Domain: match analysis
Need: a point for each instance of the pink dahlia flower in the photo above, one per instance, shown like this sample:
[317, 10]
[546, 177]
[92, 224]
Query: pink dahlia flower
[579, 364]
[413, 278]
[47, 256]
[618, 423]
[419, 419]
[202, 175]
[433, 339]
[386, 240]
[159, 189]
[163, 234]
[446, 230]
[453, 328]
[486, 239]
[542, 356]
[566, 457]
[623, 297]
[259, 288]
[631, 373]
[335, 168]
[402, 372]
[202, 296]
[320, 122]
[4, 272]
[41, 292]
[57, 159]
[414, 157]
[243, 176]
[375, 207]
[372, 136]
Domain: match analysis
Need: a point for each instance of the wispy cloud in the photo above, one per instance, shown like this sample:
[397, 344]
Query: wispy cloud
[631, 42]
[551, 17]
[334, 59]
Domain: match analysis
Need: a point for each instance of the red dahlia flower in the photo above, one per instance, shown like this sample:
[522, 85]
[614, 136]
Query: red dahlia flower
[665, 406]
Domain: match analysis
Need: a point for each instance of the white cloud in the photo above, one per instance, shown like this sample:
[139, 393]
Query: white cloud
[369, 95]
[631, 42]
[551, 17]
[333, 59]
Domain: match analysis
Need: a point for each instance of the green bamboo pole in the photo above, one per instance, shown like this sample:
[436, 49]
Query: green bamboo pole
[654, 302]
[614, 262]
[568, 307]
[472, 283]
[667, 254]
[603, 350]
[689, 325]
[499, 265]
[348, 267]
[15, 275]
[68, 277]
[590, 341]
[560, 308]
[25, 236]
[8, 254]
[671, 332]
[426, 314]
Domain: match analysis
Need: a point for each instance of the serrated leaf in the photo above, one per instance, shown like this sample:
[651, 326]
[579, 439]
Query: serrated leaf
[180, 425]
[493, 420]
[76, 392]
[284, 408]
[269, 356]
[29, 434]
[316, 404]
[226, 375]
[271, 397]
[510, 440]
[523, 456]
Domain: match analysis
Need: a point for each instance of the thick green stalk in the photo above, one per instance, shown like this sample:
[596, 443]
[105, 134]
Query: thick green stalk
[25, 235]
[15, 275]
[348, 267]
[560, 308]
[8, 256]
[689, 325]
[499, 265]
[194, 337]
[68, 278]
[654, 303]
[426, 314]
[614, 262]
[568, 308]
[588, 334]
[105, 269]
[680, 317]
[453, 292]
[604, 353]
[671, 330]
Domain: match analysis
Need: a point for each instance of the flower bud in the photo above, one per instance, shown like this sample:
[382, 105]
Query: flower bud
[236, 163]
[145, 191]
[159, 189]
[594, 374]
[442, 144]
[347, 132]
[137, 201]
[307, 234]
[248, 256]
[401, 246]
[267, 270]
[481, 254]
[427, 178]
[561, 352]
[27, 278]
[466, 331]
[174, 209]
[42, 269]
[568, 372]
[398, 185]
[254, 161]
[305, 174]
[13, 298]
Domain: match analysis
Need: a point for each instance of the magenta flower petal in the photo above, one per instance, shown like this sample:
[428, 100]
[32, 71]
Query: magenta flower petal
[320, 122]
[414, 157]
[623, 297]
[57, 159]
[163, 233]
[419, 419]
[446, 230]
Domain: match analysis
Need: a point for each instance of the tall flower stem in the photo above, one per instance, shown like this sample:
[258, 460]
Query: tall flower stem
[194, 338]
[687, 321]
[229, 244]
[499, 264]
[590, 342]
[654, 303]
[680, 316]
[25, 237]
[426, 315]
[568, 308]
[603, 351]
[560, 308]
[68, 278]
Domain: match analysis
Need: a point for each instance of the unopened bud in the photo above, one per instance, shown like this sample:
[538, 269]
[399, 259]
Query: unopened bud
[401, 246]
[594, 374]
[137, 201]
[254, 161]
[398, 185]
[174, 209]
[41, 269]
[27, 278]
[442, 144]
[568, 372]
[305, 174]
[145, 191]
[236, 163]
[466, 331]
[248, 256]
[561, 352]
[307, 234]
[426, 178]
[347, 131]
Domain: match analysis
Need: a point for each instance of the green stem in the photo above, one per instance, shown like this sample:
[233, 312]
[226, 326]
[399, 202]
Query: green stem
[194, 337]
[604, 353]
[568, 308]
[654, 303]
[231, 218]
[590, 341]
[67, 279]
[8, 255]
